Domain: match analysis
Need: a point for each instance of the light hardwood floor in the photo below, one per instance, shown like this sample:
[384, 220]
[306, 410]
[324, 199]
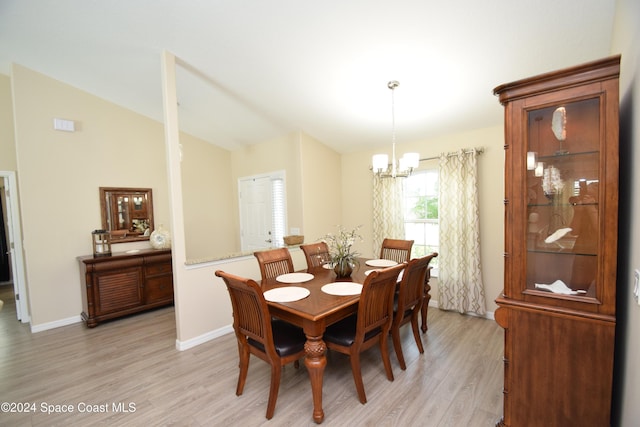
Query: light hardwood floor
[456, 382]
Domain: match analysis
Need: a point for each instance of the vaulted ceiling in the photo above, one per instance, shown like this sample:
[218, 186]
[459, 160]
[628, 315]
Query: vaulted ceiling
[258, 69]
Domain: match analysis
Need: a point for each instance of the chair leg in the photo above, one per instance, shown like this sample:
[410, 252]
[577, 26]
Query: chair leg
[384, 351]
[276, 373]
[244, 368]
[416, 333]
[357, 377]
[397, 346]
[424, 311]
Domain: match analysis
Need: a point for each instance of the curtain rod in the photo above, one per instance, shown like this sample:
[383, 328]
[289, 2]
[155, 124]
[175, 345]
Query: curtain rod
[479, 150]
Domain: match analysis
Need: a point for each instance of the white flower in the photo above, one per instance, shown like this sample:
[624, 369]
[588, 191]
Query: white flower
[340, 245]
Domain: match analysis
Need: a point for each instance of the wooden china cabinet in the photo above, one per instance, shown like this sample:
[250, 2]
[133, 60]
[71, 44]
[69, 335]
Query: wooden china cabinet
[561, 232]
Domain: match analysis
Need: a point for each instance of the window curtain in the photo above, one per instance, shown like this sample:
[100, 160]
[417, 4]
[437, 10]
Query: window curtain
[388, 218]
[460, 276]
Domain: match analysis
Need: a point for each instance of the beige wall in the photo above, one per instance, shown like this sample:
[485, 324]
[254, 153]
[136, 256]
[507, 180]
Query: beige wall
[271, 156]
[7, 143]
[59, 175]
[321, 189]
[626, 41]
[357, 199]
[208, 198]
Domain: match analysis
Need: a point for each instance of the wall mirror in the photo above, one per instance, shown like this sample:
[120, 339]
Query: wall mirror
[127, 213]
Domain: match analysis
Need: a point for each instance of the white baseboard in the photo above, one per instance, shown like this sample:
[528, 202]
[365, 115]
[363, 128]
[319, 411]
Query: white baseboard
[488, 315]
[185, 345]
[56, 324]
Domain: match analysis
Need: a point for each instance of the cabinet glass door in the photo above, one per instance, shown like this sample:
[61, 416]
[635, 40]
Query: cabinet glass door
[563, 215]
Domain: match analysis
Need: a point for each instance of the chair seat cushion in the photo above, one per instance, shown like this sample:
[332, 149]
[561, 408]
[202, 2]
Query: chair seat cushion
[407, 312]
[287, 338]
[344, 332]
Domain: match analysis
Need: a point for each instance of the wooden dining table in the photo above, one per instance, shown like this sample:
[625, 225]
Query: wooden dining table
[313, 314]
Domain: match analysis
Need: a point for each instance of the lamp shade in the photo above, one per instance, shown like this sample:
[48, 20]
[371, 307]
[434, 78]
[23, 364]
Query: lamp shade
[380, 162]
[411, 160]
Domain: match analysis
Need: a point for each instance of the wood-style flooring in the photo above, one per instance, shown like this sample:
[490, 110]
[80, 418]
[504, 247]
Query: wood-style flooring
[127, 372]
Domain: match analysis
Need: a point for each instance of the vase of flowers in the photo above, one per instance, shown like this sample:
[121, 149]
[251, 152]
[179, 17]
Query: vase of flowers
[342, 256]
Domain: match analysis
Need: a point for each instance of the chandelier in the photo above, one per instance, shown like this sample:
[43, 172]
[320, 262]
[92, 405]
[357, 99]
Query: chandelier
[403, 167]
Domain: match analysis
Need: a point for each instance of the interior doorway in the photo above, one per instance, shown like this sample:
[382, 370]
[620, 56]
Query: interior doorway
[5, 267]
[13, 250]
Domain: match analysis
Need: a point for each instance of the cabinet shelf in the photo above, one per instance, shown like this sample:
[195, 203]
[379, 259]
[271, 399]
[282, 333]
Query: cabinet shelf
[560, 251]
[571, 156]
[562, 205]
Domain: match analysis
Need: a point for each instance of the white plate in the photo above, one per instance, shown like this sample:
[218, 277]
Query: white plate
[328, 266]
[286, 294]
[381, 263]
[294, 277]
[342, 288]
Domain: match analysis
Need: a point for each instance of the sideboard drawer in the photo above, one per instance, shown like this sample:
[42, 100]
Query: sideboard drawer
[157, 269]
[158, 289]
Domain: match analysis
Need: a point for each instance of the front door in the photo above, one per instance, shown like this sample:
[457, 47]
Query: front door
[255, 213]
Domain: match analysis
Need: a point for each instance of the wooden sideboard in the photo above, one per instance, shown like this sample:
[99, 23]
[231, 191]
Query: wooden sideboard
[125, 283]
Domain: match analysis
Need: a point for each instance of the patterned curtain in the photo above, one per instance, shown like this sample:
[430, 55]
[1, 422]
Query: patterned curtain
[388, 219]
[460, 275]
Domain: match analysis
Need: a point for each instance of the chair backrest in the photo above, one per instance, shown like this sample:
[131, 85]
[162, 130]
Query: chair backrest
[274, 262]
[396, 250]
[375, 309]
[251, 319]
[316, 254]
[411, 290]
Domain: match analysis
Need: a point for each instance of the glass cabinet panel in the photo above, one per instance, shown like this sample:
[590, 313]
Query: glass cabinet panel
[563, 215]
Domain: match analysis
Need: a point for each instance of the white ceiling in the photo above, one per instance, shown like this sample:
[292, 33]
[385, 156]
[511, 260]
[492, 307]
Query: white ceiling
[275, 66]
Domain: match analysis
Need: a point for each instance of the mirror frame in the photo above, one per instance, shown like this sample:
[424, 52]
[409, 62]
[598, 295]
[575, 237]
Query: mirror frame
[106, 201]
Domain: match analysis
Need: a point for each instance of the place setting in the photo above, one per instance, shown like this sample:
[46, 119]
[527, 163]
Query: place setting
[342, 288]
[286, 294]
[294, 278]
[381, 263]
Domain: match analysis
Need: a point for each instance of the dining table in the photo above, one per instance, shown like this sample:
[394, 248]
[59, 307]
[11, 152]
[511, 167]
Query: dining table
[317, 310]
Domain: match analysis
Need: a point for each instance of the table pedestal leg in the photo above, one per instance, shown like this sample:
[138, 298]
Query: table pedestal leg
[315, 361]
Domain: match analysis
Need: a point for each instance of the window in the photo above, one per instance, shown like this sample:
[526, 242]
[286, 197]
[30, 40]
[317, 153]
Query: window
[279, 213]
[421, 214]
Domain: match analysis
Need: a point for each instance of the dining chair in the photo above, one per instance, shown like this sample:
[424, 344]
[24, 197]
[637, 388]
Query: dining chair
[369, 326]
[274, 262]
[275, 341]
[408, 303]
[316, 254]
[396, 250]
